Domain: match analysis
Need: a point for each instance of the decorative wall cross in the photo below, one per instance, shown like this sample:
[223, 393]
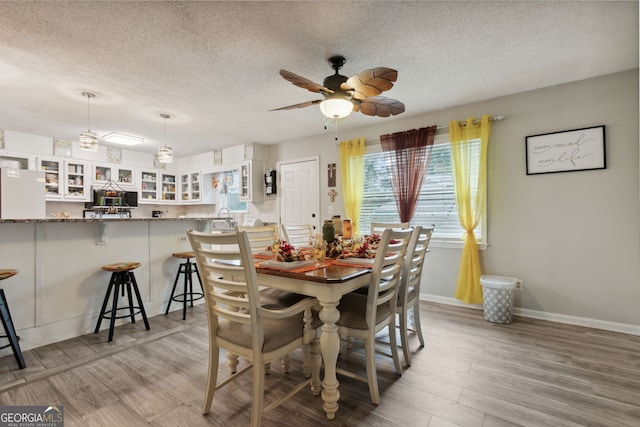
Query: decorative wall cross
[332, 195]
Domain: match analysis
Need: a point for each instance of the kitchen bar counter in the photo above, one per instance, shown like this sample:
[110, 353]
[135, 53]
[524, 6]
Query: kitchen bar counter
[48, 220]
[60, 286]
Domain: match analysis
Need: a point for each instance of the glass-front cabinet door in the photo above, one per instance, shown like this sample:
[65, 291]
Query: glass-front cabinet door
[169, 187]
[190, 186]
[251, 183]
[195, 186]
[53, 177]
[76, 182]
[64, 179]
[148, 186]
[245, 182]
[122, 176]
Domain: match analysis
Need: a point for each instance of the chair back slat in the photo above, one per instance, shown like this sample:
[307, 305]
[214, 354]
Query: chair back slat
[261, 237]
[379, 227]
[297, 234]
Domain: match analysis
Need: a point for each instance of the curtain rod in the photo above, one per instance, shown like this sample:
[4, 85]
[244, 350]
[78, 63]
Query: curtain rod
[444, 129]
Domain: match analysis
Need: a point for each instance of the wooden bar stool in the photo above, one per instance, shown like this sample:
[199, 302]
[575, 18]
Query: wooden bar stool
[7, 322]
[187, 268]
[122, 279]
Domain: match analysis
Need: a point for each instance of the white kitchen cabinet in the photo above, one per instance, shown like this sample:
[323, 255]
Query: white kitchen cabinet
[250, 183]
[53, 176]
[148, 186]
[122, 175]
[64, 179]
[169, 188]
[76, 181]
[190, 189]
[157, 187]
[9, 159]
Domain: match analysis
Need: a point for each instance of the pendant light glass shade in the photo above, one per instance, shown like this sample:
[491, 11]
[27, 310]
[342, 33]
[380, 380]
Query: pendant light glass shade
[165, 153]
[336, 108]
[88, 139]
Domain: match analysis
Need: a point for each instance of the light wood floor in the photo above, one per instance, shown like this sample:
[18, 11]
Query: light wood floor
[470, 373]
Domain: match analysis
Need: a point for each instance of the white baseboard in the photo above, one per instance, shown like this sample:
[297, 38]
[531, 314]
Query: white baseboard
[543, 315]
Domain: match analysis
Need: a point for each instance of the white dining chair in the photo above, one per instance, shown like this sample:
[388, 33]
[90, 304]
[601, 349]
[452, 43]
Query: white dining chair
[261, 237]
[379, 227]
[239, 322]
[409, 291]
[362, 316]
[297, 234]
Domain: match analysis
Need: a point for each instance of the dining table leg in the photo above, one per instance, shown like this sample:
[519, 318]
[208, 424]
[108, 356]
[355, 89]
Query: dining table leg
[330, 347]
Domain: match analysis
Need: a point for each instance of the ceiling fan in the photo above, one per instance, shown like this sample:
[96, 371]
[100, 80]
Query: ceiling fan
[343, 95]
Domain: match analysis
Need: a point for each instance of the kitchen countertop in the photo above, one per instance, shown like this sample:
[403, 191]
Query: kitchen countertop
[50, 220]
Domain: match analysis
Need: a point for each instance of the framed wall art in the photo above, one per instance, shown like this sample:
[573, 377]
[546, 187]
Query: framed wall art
[566, 151]
[114, 155]
[61, 147]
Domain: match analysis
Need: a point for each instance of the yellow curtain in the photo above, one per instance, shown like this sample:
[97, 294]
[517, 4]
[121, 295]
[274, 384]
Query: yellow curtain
[470, 187]
[352, 170]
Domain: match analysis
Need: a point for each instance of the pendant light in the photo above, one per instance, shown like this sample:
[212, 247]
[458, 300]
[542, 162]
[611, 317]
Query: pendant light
[88, 139]
[165, 153]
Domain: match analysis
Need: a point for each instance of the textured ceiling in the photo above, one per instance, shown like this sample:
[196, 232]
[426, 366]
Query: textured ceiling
[214, 65]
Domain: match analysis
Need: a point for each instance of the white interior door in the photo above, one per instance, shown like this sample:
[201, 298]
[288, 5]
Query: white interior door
[299, 200]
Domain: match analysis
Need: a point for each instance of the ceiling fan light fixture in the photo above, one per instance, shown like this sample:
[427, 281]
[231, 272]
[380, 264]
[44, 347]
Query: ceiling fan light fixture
[344, 94]
[336, 108]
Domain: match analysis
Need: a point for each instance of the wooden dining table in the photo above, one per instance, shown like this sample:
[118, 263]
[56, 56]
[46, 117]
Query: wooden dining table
[328, 284]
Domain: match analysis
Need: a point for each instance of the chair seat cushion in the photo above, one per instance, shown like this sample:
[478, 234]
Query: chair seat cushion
[273, 299]
[353, 308]
[270, 296]
[277, 332]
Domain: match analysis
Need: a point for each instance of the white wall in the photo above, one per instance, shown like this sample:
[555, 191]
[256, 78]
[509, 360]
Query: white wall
[574, 238]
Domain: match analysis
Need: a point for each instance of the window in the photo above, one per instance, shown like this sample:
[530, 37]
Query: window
[229, 191]
[436, 205]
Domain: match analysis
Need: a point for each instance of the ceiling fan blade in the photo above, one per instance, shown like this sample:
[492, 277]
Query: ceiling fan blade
[301, 105]
[381, 106]
[370, 82]
[304, 83]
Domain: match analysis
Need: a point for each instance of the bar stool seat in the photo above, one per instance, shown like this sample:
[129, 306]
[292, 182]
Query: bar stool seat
[122, 281]
[187, 268]
[7, 322]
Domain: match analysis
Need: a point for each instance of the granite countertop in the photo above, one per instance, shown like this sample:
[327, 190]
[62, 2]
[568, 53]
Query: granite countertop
[48, 220]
